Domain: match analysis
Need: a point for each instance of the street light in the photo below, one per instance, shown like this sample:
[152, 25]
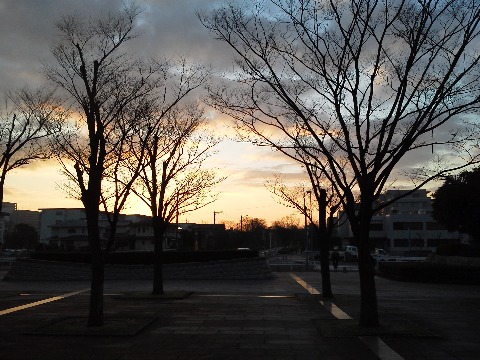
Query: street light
[241, 221]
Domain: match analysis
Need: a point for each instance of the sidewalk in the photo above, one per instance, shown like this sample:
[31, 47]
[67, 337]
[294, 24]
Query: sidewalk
[258, 319]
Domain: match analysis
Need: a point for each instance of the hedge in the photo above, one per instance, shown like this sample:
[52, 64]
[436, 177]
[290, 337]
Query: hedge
[147, 257]
[459, 250]
[429, 272]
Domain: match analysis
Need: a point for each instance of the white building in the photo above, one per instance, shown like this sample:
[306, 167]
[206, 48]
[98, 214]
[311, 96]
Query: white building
[67, 228]
[405, 225]
[55, 216]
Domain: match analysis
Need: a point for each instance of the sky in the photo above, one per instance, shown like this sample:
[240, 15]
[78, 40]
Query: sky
[168, 28]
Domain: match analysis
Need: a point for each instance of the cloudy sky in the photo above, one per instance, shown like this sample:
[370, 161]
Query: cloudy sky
[168, 28]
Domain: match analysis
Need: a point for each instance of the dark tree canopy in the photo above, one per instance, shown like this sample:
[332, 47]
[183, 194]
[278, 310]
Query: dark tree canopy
[457, 203]
[23, 236]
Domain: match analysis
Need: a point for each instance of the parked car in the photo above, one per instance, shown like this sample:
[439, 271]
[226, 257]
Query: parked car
[351, 253]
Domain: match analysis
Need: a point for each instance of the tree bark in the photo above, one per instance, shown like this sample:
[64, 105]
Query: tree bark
[368, 293]
[95, 316]
[324, 239]
[159, 228]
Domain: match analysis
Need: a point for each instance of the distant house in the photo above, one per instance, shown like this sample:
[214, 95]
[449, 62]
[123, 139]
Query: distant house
[54, 216]
[67, 228]
[405, 225]
[182, 236]
[73, 235]
[143, 231]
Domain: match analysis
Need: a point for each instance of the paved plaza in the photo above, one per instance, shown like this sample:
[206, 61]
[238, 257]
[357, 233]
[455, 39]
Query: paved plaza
[280, 318]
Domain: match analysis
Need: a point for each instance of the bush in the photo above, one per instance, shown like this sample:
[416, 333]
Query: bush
[288, 250]
[429, 272]
[459, 250]
[147, 257]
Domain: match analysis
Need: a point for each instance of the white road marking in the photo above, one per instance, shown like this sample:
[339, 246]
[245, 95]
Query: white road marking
[382, 350]
[330, 306]
[41, 302]
[335, 310]
[307, 287]
[374, 343]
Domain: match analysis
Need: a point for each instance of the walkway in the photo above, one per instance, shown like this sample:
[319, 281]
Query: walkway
[258, 319]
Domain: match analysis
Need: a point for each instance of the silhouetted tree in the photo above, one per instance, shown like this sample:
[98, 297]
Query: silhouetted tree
[456, 204]
[101, 81]
[173, 180]
[327, 205]
[351, 87]
[27, 121]
[23, 236]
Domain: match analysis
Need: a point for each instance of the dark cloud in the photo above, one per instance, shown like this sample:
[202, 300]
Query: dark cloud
[167, 28]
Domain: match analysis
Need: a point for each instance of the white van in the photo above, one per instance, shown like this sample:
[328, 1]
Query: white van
[351, 253]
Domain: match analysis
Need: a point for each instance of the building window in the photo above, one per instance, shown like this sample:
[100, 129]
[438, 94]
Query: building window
[435, 226]
[400, 242]
[72, 230]
[407, 225]
[438, 242]
[376, 227]
[59, 213]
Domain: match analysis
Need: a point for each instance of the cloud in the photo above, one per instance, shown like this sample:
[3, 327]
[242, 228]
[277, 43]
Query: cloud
[167, 28]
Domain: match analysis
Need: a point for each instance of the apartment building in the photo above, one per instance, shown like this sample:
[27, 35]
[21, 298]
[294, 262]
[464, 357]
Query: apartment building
[405, 225]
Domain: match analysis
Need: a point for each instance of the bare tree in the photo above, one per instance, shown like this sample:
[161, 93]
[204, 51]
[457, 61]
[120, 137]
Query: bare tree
[26, 123]
[101, 81]
[173, 181]
[354, 87]
[124, 163]
[327, 205]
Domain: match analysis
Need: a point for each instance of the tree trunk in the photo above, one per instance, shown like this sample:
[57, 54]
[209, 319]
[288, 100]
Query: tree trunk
[95, 316]
[159, 228]
[324, 239]
[368, 292]
[2, 184]
[325, 268]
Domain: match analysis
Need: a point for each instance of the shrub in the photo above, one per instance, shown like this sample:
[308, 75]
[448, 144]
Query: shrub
[429, 272]
[288, 250]
[146, 257]
[459, 250]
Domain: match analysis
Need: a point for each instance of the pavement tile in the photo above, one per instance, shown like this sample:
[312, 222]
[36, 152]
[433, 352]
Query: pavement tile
[229, 320]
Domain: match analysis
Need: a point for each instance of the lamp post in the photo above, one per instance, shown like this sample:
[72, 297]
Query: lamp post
[241, 221]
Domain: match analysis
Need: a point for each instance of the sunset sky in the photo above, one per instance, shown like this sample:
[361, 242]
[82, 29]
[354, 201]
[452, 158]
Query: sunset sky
[169, 28]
